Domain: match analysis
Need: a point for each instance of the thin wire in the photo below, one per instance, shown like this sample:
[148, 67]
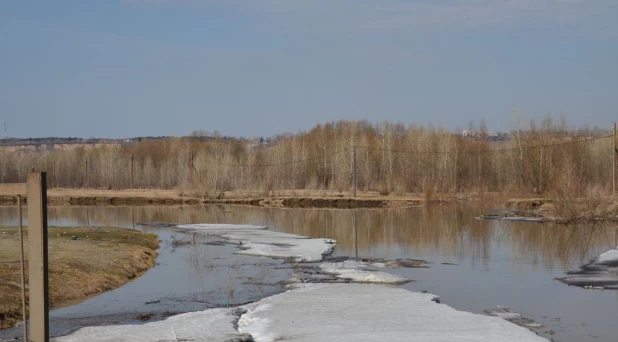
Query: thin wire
[290, 162]
[22, 262]
[486, 150]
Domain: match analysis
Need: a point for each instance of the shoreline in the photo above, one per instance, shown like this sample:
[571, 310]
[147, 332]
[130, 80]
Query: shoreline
[533, 207]
[76, 270]
[272, 199]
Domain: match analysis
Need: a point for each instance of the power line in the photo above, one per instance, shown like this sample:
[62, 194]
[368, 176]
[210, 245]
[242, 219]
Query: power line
[486, 150]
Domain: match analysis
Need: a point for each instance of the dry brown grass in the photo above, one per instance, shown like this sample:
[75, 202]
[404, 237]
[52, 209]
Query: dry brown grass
[153, 193]
[103, 259]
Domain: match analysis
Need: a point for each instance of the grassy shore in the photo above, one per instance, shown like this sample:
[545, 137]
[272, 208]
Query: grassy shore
[100, 260]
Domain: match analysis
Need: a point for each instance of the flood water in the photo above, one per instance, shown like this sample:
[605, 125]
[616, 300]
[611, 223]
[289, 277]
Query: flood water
[511, 264]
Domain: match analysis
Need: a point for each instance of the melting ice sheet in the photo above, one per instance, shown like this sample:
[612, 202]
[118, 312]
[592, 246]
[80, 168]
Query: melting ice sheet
[360, 272]
[601, 272]
[209, 325]
[257, 241]
[323, 312]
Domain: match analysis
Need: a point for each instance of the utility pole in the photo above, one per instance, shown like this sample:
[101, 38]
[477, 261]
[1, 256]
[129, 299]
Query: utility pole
[614, 161]
[132, 170]
[354, 170]
[191, 171]
[86, 173]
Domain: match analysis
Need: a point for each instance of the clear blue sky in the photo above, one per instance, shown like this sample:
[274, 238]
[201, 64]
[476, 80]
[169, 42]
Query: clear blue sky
[105, 68]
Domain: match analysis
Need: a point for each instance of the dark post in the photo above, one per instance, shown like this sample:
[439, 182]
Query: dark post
[354, 170]
[132, 171]
[614, 162]
[37, 242]
[355, 235]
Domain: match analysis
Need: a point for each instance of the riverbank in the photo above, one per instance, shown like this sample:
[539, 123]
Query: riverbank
[278, 198]
[565, 210]
[555, 209]
[82, 262]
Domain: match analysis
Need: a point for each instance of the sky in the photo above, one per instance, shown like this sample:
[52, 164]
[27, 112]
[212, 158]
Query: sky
[124, 68]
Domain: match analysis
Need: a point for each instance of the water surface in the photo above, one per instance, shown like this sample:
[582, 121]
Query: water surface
[497, 263]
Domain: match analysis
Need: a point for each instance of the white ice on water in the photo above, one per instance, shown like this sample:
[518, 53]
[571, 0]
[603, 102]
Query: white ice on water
[601, 272]
[257, 241]
[359, 272]
[609, 256]
[219, 226]
[361, 312]
[322, 312]
[209, 325]
[316, 312]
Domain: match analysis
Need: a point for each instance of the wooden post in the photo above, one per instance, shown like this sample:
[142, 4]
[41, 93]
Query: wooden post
[37, 242]
[132, 171]
[355, 235]
[22, 266]
[614, 162]
[354, 170]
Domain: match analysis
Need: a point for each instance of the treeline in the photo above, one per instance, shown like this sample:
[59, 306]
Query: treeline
[390, 158]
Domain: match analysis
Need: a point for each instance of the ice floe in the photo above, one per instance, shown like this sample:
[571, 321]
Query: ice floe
[258, 241]
[600, 273]
[360, 272]
[608, 258]
[513, 218]
[513, 317]
[361, 312]
[220, 226]
[209, 325]
[321, 312]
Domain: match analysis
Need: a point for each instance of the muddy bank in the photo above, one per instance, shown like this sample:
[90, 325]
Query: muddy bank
[105, 200]
[278, 202]
[82, 262]
[558, 210]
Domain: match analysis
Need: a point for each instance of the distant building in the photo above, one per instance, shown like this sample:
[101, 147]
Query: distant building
[473, 133]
